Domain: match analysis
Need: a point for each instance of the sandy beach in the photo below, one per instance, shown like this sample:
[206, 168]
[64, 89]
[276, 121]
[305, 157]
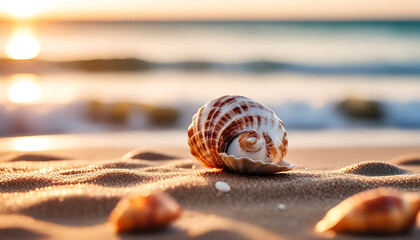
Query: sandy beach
[68, 194]
[100, 103]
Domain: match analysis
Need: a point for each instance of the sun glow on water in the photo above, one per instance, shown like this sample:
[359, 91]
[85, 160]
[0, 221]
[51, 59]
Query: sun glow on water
[30, 144]
[24, 89]
[23, 45]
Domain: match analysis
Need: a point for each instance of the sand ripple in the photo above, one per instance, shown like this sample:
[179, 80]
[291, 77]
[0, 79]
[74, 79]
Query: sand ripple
[30, 157]
[84, 209]
[373, 168]
[408, 160]
[19, 233]
[147, 155]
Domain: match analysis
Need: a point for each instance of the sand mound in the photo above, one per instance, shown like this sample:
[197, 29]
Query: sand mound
[75, 197]
[14, 233]
[407, 160]
[373, 168]
[29, 181]
[29, 157]
[71, 210]
[147, 155]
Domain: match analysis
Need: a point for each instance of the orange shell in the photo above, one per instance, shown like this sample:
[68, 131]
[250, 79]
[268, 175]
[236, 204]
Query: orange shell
[377, 211]
[145, 213]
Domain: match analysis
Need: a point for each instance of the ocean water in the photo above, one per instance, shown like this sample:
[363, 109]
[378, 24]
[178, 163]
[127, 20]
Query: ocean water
[287, 42]
[302, 70]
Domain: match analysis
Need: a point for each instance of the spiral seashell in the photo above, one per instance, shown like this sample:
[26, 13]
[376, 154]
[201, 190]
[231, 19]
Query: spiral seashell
[238, 134]
[377, 211]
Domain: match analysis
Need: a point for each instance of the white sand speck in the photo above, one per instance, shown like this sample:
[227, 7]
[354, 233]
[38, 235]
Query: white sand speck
[222, 186]
[281, 206]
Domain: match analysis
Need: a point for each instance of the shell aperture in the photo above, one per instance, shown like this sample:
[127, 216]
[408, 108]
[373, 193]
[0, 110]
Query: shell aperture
[238, 134]
[248, 144]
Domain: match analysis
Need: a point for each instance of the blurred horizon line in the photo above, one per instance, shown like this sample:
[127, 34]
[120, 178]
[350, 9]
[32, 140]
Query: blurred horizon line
[39, 66]
[274, 20]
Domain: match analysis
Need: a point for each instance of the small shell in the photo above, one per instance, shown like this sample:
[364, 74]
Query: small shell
[236, 133]
[145, 213]
[377, 211]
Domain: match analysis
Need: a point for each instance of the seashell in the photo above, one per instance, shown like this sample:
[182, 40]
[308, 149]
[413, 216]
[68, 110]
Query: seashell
[377, 211]
[148, 212]
[238, 134]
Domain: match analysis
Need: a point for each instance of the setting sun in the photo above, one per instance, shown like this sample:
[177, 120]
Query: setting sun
[22, 45]
[24, 89]
[22, 8]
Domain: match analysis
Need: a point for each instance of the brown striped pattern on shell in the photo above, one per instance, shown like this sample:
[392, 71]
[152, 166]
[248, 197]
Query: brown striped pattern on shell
[250, 146]
[218, 122]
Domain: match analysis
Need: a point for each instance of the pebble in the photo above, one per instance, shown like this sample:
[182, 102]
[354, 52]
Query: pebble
[281, 206]
[222, 186]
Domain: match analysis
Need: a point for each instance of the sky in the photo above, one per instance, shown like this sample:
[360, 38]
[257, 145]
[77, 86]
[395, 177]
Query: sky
[208, 9]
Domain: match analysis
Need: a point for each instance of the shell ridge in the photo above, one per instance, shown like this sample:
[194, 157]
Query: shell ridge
[217, 105]
[197, 121]
[202, 146]
[231, 124]
[226, 125]
[226, 129]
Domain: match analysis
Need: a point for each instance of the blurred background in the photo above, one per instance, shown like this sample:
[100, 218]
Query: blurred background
[75, 66]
